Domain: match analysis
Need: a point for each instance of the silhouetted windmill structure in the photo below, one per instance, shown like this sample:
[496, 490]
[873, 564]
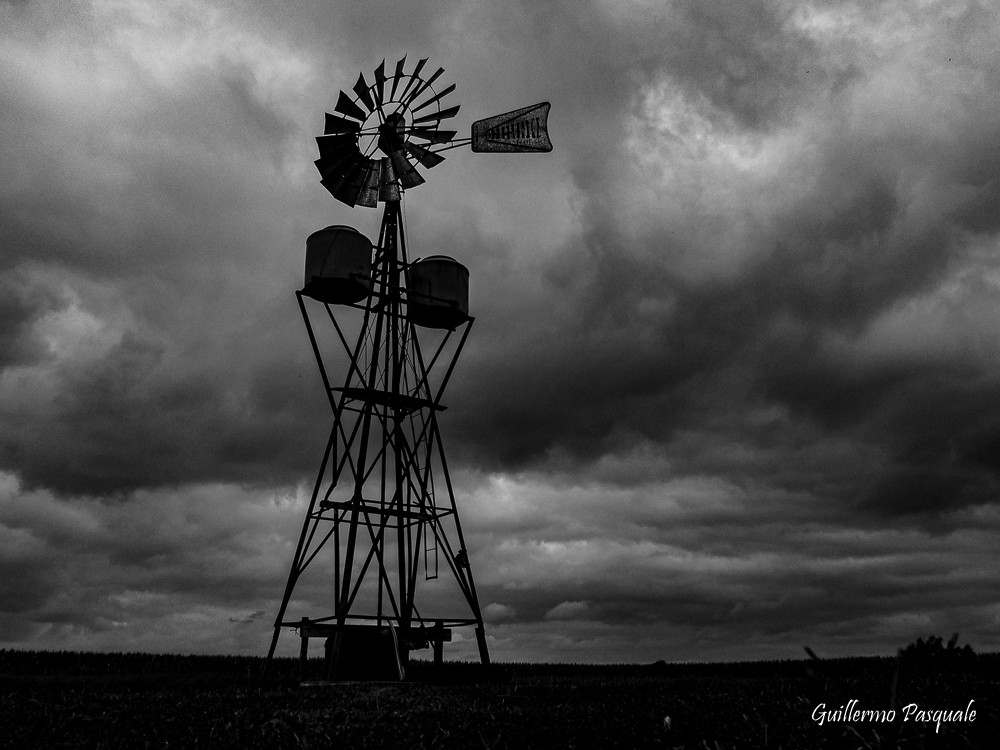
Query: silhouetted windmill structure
[383, 497]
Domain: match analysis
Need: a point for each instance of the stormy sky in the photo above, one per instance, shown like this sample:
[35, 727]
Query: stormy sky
[734, 382]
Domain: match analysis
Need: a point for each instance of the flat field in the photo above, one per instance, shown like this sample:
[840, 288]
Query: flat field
[55, 700]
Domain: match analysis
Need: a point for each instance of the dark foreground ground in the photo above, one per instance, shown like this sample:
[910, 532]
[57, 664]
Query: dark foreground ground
[52, 700]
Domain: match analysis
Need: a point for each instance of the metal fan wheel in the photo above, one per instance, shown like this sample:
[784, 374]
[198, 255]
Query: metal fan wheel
[372, 145]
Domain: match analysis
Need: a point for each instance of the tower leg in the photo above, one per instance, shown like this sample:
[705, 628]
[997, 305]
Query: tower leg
[270, 651]
[303, 653]
[438, 643]
[484, 653]
[404, 657]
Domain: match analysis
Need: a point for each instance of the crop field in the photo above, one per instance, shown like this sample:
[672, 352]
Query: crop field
[56, 700]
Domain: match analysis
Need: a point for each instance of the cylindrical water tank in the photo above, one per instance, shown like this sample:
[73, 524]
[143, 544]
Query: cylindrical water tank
[437, 292]
[338, 265]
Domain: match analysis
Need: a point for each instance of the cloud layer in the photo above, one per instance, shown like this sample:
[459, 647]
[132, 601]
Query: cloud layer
[732, 384]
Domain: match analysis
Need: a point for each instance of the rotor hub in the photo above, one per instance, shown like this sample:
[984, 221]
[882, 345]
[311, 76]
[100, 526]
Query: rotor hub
[391, 137]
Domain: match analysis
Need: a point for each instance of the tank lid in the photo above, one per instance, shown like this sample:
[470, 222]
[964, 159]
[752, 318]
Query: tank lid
[338, 227]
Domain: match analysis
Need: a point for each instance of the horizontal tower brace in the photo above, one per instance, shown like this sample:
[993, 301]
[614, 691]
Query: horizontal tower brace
[401, 401]
[431, 513]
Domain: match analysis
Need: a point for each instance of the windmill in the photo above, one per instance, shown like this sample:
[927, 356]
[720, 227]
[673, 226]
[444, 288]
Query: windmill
[383, 497]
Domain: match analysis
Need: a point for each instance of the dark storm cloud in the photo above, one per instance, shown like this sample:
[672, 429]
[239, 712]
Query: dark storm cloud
[731, 379]
[22, 305]
[146, 226]
[750, 62]
[163, 570]
[173, 216]
[630, 349]
[690, 557]
[118, 424]
[624, 345]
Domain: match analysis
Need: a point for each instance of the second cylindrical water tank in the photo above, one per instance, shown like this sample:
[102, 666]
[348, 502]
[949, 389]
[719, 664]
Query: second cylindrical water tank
[338, 265]
[438, 292]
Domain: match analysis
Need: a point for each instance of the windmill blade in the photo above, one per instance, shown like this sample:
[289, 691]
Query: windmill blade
[444, 114]
[433, 135]
[408, 175]
[346, 106]
[361, 89]
[332, 173]
[325, 170]
[332, 170]
[389, 189]
[380, 84]
[370, 184]
[427, 158]
[336, 125]
[421, 89]
[441, 94]
[414, 77]
[335, 151]
[335, 177]
[332, 146]
[396, 76]
[348, 194]
[349, 188]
